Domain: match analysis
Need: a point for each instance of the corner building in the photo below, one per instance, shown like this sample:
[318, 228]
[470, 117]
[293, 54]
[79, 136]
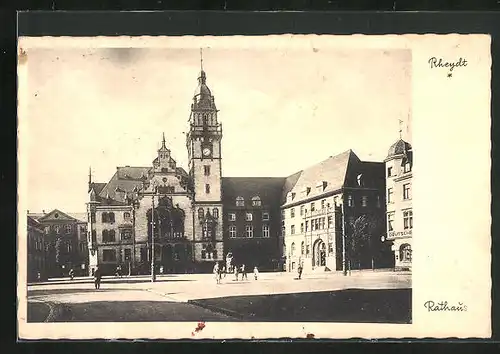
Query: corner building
[399, 165]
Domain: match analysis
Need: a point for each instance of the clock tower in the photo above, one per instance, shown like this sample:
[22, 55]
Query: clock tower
[203, 142]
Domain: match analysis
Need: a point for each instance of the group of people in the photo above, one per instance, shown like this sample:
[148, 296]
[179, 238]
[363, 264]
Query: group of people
[221, 271]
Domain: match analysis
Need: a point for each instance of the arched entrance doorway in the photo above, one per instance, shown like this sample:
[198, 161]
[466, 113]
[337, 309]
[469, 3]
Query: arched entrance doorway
[319, 254]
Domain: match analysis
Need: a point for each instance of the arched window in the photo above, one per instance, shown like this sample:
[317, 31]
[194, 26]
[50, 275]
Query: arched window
[256, 201]
[240, 201]
[126, 215]
[302, 248]
[292, 249]
[200, 213]
[405, 253]
[216, 213]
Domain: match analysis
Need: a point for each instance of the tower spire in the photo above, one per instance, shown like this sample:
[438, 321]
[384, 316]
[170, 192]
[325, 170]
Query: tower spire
[163, 141]
[90, 177]
[201, 58]
[400, 129]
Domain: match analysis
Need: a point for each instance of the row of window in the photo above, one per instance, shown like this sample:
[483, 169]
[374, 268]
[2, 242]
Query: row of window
[407, 220]
[248, 231]
[248, 216]
[110, 255]
[38, 245]
[256, 201]
[305, 249]
[110, 217]
[58, 228]
[325, 205]
[406, 193]
[316, 224]
[110, 235]
[201, 213]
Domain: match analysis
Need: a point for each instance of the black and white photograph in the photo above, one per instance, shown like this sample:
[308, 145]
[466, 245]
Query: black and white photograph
[219, 184]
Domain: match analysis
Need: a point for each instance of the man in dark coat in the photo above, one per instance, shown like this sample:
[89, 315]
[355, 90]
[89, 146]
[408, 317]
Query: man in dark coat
[97, 278]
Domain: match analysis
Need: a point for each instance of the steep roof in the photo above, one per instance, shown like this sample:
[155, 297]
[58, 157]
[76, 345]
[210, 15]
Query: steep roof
[267, 188]
[333, 171]
[33, 221]
[400, 147]
[122, 183]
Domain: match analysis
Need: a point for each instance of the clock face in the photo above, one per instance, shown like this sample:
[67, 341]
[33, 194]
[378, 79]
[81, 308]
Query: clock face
[206, 151]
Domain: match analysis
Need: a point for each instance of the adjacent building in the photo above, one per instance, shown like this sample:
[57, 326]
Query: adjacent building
[398, 166]
[36, 250]
[333, 216]
[187, 220]
[65, 242]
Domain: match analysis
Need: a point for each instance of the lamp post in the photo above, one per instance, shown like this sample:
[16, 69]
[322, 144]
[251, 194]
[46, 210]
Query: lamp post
[153, 276]
[344, 268]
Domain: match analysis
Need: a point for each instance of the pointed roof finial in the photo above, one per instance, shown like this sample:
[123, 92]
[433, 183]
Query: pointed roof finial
[201, 58]
[400, 129]
[163, 140]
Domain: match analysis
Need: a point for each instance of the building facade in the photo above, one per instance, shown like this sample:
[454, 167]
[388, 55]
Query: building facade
[333, 216]
[36, 250]
[189, 220]
[399, 165]
[65, 238]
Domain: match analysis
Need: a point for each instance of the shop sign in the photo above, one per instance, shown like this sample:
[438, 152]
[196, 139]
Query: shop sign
[405, 233]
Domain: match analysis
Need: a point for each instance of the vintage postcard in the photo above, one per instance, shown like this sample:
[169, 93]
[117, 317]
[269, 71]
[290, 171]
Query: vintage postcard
[288, 186]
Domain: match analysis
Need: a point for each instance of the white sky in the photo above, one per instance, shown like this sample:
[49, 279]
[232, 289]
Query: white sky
[281, 111]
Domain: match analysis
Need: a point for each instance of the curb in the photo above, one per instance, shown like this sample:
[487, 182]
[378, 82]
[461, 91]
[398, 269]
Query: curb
[222, 310]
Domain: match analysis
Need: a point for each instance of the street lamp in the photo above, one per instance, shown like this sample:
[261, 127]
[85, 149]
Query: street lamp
[153, 276]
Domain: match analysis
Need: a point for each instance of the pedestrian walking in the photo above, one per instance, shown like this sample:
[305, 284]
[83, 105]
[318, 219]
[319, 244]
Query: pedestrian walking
[216, 272]
[71, 273]
[97, 278]
[224, 271]
[236, 273]
[300, 270]
[119, 271]
[255, 272]
[243, 272]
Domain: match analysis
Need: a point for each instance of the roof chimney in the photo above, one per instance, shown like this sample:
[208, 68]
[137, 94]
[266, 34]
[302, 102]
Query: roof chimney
[43, 211]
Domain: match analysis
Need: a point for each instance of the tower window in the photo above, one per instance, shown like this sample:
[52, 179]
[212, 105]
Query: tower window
[207, 188]
[200, 213]
[207, 170]
[292, 230]
[389, 171]
[292, 212]
[216, 213]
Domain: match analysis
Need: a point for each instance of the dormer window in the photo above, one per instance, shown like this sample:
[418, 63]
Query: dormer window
[308, 190]
[240, 201]
[360, 180]
[406, 166]
[256, 201]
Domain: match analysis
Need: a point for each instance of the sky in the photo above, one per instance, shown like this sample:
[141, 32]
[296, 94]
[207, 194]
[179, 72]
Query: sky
[281, 110]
